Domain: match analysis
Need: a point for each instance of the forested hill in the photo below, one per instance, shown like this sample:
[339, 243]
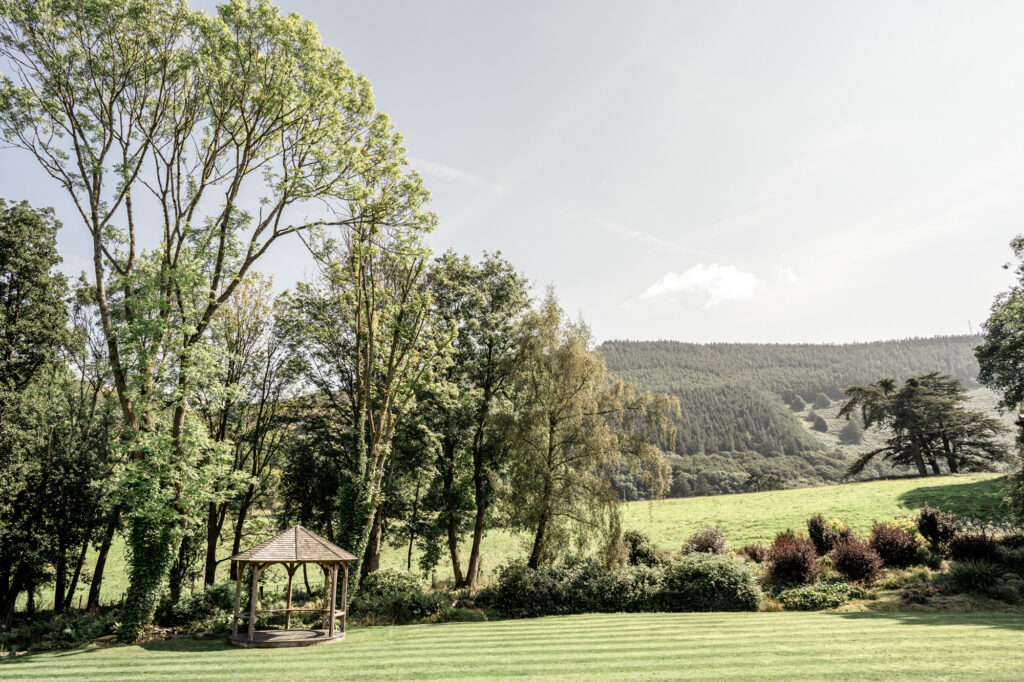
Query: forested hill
[735, 398]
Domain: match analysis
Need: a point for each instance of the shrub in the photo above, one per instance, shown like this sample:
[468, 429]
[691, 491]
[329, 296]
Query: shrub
[798, 404]
[811, 416]
[792, 560]
[708, 540]
[974, 546]
[821, 401]
[820, 596]
[820, 425]
[394, 597]
[49, 632]
[821, 534]
[215, 599]
[708, 582]
[896, 547]
[856, 560]
[936, 526]
[977, 576]
[756, 552]
[640, 551]
[522, 592]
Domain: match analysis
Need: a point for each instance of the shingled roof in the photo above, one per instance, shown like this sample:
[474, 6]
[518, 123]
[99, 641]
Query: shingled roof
[294, 544]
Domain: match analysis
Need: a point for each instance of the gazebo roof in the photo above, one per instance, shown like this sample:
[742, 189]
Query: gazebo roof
[294, 544]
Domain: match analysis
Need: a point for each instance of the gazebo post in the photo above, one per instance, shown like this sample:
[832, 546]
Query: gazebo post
[323, 622]
[344, 595]
[334, 593]
[238, 597]
[256, 570]
[288, 609]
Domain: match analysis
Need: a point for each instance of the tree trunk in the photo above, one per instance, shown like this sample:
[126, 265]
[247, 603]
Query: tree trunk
[371, 558]
[214, 522]
[538, 542]
[152, 545]
[78, 570]
[61, 577]
[918, 458]
[450, 511]
[473, 570]
[101, 559]
[236, 540]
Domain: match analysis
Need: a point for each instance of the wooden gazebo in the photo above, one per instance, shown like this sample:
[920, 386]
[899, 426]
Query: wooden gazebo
[292, 548]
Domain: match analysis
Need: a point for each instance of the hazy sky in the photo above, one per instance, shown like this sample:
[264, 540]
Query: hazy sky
[714, 171]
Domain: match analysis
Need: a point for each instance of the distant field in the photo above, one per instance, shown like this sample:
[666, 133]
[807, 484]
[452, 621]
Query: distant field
[787, 646]
[746, 518]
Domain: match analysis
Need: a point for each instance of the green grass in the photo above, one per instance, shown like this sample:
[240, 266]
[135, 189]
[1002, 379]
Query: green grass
[754, 517]
[934, 646]
[746, 518]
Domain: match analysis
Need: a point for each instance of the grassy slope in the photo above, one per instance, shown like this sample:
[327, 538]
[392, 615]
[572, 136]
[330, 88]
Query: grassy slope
[860, 646]
[745, 518]
[759, 516]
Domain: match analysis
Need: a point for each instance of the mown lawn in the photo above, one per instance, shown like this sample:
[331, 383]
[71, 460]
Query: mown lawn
[934, 646]
[746, 518]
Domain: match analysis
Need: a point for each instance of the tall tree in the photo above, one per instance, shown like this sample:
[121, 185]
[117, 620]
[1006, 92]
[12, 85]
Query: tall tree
[1001, 360]
[483, 306]
[927, 423]
[221, 130]
[33, 328]
[572, 432]
[363, 331]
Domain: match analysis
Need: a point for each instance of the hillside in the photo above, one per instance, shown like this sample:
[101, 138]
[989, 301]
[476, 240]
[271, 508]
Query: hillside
[736, 415]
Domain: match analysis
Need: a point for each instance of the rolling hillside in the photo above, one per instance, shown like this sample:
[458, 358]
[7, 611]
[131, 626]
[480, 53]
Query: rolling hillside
[737, 402]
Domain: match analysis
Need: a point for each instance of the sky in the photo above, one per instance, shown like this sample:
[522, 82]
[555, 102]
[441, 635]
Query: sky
[701, 171]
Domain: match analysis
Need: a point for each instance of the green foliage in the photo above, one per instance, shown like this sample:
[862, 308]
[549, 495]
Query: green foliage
[820, 595]
[734, 417]
[58, 631]
[389, 597]
[640, 551]
[581, 587]
[214, 600]
[974, 575]
[792, 560]
[709, 582]
[856, 560]
[852, 433]
[927, 425]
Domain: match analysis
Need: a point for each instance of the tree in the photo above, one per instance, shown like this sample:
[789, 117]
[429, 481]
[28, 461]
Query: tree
[927, 423]
[482, 305]
[258, 373]
[223, 131]
[1001, 360]
[364, 334]
[852, 433]
[571, 433]
[33, 329]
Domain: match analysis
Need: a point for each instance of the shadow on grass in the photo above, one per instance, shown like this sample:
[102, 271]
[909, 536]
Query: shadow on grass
[184, 644]
[991, 619]
[980, 499]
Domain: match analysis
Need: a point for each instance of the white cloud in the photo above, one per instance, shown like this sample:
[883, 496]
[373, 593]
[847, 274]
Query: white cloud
[720, 282]
[789, 276]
